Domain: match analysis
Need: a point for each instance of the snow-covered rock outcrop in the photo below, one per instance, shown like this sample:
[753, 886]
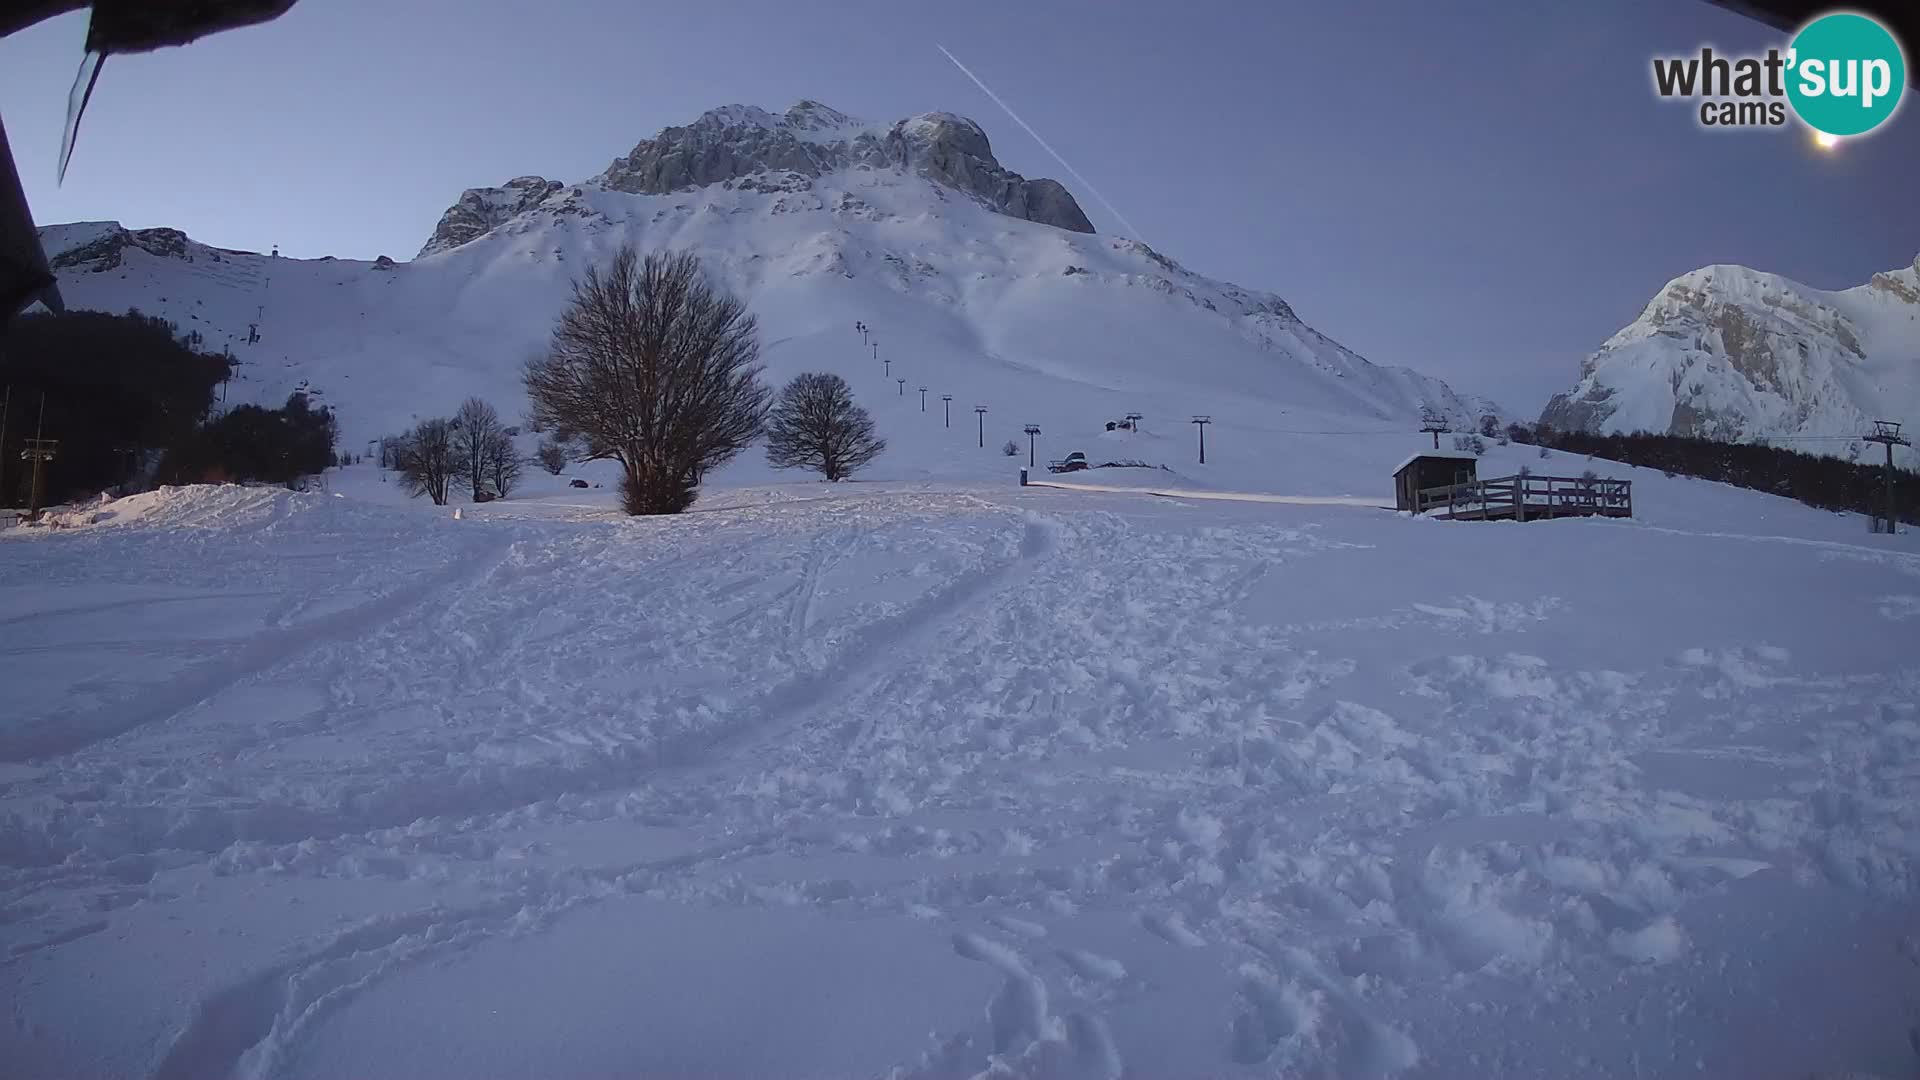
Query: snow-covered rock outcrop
[737, 142]
[1727, 352]
[480, 209]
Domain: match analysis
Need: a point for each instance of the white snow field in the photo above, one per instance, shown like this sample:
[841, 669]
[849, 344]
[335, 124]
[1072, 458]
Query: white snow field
[929, 775]
[904, 779]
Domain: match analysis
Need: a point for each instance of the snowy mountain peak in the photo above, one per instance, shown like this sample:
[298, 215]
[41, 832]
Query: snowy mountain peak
[809, 115]
[1729, 352]
[730, 116]
[480, 210]
[746, 143]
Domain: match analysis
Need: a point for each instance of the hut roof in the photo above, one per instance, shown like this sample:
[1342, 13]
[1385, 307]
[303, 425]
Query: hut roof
[1446, 455]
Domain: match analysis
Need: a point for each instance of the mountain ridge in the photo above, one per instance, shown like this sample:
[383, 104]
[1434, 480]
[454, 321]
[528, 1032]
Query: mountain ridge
[784, 152]
[1732, 353]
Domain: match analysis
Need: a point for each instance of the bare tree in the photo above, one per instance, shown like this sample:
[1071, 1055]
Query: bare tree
[476, 438]
[503, 465]
[816, 425]
[426, 462]
[655, 368]
[551, 454]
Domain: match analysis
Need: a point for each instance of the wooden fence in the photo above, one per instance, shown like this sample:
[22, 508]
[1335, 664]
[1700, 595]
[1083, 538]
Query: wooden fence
[1528, 498]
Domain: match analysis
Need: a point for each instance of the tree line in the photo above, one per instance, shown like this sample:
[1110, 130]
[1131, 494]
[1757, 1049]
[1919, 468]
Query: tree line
[132, 402]
[471, 448]
[1829, 483]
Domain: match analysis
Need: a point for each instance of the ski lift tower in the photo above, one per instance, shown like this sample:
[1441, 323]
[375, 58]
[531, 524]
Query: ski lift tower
[1887, 433]
[39, 451]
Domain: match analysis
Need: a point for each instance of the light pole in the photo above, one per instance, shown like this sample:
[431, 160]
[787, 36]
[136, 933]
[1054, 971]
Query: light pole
[903, 386]
[981, 412]
[1202, 422]
[948, 399]
[923, 399]
[1031, 430]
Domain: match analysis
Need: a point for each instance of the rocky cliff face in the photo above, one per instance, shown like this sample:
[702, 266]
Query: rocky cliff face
[751, 148]
[101, 249]
[1731, 353]
[737, 142]
[480, 210]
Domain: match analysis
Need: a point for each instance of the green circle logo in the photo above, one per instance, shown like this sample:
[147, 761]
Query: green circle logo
[1845, 74]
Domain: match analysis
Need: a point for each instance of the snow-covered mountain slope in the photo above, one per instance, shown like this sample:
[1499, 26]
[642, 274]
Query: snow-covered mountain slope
[1731, 353]
[820, 221]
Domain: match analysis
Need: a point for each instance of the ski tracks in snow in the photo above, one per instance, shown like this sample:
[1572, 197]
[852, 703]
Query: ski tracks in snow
[1242, 775]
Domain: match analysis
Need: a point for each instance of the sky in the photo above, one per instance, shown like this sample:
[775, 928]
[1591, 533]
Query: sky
[1480, 190]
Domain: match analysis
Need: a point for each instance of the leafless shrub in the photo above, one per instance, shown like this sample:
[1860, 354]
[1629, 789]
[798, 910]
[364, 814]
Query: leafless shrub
[653, 367]
[816, 425]
[426, 460]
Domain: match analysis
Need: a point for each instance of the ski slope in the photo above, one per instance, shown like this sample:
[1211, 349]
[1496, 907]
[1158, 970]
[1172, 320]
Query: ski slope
[928, 779]
[1038, 324]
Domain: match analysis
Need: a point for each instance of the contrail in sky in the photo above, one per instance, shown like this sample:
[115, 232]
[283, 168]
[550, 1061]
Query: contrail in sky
[1004, 107]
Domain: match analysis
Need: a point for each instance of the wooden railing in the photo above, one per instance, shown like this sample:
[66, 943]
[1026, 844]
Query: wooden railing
[1522, 497]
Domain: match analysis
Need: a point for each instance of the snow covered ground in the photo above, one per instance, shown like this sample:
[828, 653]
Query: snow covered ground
[929, 780]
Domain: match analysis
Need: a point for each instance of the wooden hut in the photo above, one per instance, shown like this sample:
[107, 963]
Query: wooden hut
[1431, 469]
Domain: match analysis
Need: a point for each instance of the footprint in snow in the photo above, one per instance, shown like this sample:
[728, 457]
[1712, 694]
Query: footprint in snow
[1171, 927]
[1092, 966]
[1021, 927]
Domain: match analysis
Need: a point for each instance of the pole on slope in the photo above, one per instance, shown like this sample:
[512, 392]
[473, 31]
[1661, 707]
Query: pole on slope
[876, 351]
[923, 399]
[903, 387]
[862, 327]
[1433, 423]
[39, 451]
[6, 407]
[981, 412]
[1201, 422]
[1133, 422]
[1887, 433]
[948, 400]
[1031, 430]
[886, 367]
